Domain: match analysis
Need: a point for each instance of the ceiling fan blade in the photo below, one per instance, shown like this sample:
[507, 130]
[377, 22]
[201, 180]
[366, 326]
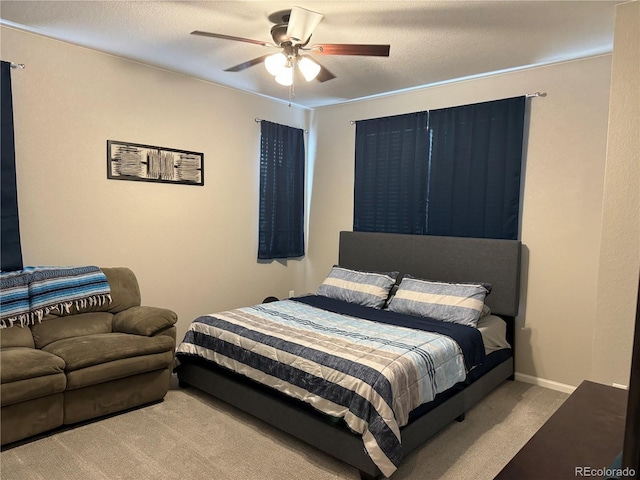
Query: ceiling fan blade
[324, 74]
[247, 64]
[351, 49]
[229, 37]
[302, 23]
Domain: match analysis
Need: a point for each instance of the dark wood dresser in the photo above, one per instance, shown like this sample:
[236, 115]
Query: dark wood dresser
[586, 432]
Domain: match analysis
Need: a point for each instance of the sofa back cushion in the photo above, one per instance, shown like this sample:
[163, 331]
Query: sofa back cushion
[53, 328]
[16, 336]
[125, 293]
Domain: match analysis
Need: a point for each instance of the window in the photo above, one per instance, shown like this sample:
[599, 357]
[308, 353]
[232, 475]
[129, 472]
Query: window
[391, 174]
[458, 175]
[281, 224]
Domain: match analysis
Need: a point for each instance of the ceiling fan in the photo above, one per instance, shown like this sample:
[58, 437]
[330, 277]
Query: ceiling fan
[291, 33]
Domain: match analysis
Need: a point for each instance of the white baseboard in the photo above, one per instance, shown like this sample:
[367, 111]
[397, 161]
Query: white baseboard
[542, 382]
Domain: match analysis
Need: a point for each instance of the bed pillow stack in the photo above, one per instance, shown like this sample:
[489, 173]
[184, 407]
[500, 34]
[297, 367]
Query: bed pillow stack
[449, 302]
[369, 289]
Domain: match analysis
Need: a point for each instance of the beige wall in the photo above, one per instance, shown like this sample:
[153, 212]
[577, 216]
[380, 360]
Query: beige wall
[562, 204]
[193, 249]
[620, 244]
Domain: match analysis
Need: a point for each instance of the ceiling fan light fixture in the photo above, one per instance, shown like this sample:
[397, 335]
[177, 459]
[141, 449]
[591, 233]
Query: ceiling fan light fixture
[285, 77]
[292, 32]
[309, 68]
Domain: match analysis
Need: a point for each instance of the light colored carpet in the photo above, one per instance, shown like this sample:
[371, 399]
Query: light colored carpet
[193, 436]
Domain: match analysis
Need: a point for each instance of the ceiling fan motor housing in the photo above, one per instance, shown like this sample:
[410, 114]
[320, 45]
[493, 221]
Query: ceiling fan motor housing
[279, 34]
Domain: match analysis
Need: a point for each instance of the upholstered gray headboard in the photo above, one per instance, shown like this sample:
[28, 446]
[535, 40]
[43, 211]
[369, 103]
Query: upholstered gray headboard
[451, 259]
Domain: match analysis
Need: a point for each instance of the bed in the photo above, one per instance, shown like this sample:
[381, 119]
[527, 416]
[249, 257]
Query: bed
[338, 429]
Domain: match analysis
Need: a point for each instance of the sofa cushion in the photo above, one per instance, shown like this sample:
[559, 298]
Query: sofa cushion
[125, 292]
[125, 367]
[16, 336]
[30, 388]
[52, 329]
[20, 363]
[88, 350]
[143, 320]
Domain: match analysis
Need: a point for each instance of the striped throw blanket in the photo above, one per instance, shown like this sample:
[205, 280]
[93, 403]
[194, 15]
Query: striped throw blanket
[27, 295]
[371, 374]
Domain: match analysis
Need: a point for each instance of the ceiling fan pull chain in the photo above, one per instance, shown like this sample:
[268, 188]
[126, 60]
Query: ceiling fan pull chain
[292, 90]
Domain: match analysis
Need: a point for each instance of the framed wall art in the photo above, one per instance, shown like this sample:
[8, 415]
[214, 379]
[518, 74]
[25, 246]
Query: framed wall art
[146, 163]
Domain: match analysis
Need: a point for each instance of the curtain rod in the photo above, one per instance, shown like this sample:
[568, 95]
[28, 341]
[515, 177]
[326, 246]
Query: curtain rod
[258, 120]
[527, 95]
[17, 65]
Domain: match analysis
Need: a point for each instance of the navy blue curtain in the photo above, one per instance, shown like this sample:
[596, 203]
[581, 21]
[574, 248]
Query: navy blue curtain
[10, 250]
[281, 225]
[391, 174]
[474, 179]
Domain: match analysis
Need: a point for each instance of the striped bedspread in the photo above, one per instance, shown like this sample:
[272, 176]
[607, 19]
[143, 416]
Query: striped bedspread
[369, 373]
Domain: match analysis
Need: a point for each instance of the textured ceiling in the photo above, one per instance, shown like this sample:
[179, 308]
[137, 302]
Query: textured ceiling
[431, 41]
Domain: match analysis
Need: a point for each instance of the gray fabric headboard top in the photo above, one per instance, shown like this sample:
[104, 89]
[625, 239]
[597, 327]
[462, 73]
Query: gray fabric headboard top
[449, 259]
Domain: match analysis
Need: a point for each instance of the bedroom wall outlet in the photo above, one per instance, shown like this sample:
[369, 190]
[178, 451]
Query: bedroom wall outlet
[292, 293]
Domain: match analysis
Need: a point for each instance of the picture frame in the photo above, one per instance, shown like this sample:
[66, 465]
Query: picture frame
[148, 163]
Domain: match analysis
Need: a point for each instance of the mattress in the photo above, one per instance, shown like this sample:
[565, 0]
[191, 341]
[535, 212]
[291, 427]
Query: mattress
[369, 367]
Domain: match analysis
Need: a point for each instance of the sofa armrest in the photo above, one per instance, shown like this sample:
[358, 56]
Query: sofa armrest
[145, 321]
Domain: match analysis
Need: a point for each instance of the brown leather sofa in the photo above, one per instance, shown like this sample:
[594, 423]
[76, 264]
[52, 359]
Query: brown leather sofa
[87, 363]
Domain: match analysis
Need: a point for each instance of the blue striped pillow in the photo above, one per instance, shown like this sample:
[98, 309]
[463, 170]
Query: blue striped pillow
[449, 302]
[364, 288]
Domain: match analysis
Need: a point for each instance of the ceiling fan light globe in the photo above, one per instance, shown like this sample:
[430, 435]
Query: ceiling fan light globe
[285, 77]
[309, 68]
[275, 63]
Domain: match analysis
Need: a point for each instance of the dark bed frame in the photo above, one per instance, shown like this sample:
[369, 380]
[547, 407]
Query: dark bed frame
[449, 259]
